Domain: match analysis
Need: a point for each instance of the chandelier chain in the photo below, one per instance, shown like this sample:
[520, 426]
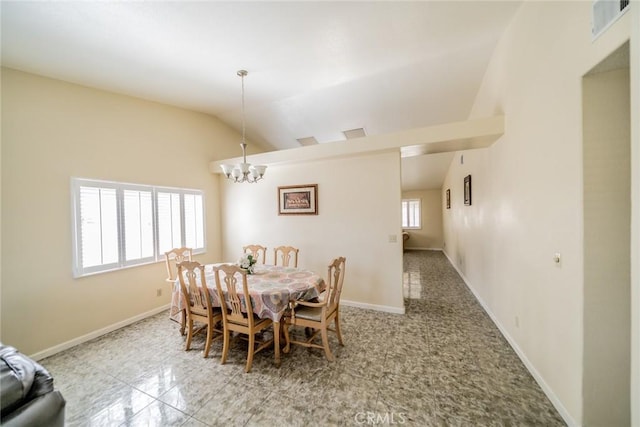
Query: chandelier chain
[242, 74]
[243, 172]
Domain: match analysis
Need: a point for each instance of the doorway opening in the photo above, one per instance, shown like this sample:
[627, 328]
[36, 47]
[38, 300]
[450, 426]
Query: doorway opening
[607, 232]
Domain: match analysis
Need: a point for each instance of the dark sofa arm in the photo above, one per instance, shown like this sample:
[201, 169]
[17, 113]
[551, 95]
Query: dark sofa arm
[46, 410]
[27, 395]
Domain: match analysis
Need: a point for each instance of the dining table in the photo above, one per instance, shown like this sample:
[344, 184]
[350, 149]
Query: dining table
[271, 288]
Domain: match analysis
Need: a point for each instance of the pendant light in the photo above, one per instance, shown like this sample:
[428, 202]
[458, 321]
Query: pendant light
[243, 172]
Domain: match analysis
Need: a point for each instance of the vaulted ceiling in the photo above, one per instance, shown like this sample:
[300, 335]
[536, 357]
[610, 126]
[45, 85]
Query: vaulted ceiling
[316, 69]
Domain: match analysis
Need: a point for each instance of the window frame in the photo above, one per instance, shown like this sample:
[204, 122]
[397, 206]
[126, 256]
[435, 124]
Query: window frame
[122, 228]
[408, 201]
[120, 187]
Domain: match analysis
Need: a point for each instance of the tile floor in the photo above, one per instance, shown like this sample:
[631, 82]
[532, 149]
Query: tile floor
[444, 363]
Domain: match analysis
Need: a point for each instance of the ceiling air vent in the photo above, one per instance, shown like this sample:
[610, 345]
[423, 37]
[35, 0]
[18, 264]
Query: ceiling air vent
[354, 133]
[307, 141]
[605, 13]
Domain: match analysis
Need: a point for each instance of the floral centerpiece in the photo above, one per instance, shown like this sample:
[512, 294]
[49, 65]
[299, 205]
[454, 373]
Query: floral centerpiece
[247, 262]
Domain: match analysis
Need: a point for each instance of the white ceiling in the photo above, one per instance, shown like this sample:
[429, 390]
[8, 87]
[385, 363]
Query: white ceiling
[315, 68]
[425, 172]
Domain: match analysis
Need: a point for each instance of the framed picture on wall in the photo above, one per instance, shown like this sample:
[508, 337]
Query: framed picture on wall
[467, 190]
[298, 200]
[448, 199]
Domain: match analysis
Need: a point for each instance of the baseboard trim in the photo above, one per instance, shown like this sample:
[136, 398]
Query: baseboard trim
[95, 334]
[422, 249]
[527, 363]
[376, 307]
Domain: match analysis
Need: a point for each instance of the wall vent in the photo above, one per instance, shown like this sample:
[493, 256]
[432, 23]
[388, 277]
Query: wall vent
[604, 13]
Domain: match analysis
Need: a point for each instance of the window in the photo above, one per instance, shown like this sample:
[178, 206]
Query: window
[117, 225]
[411, 213]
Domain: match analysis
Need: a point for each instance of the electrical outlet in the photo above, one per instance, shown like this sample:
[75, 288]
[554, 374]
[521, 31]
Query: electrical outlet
[517, 322]
[159, 292]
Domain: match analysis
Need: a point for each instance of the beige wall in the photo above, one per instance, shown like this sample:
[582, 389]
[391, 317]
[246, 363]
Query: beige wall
[466, 232]
[359, 209]
[635, 215]
[1, 150]
[430, 235]
[52, 131]
[607, 209]
[527, 193]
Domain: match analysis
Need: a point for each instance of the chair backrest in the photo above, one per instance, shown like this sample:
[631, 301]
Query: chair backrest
[176, 256]
[193, 285]
[286, 255]
[256, 250]
[335, 278]
[229, 274]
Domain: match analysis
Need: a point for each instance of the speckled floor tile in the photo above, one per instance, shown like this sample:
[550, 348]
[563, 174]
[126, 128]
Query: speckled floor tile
[191, 394]
[442, 363]
[108, 402]
[415, 399]
[192, 422]
[232, 404]
[157, 414]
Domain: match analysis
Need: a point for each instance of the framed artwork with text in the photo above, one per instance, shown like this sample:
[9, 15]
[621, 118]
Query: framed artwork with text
[467, 190]
[298, 200]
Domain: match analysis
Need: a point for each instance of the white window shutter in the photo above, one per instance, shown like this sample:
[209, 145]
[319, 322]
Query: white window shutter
[117, 225]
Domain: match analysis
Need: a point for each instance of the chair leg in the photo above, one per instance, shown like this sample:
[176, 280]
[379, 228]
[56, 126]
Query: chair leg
[189, 334]
[287, 339]
[207, 346]
[225, 346]
[283, 325]
[325, 343]
[183, 321]
[338, 333]
[252, 344]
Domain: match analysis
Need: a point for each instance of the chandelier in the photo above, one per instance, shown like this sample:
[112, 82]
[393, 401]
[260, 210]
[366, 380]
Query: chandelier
[243, 172]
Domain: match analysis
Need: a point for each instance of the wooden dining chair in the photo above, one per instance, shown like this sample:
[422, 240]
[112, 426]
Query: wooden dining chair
[198, 303]
[284, 255]
[176, 256]
[256, 251]
[237, 313]
[318, 315]
[171, 259]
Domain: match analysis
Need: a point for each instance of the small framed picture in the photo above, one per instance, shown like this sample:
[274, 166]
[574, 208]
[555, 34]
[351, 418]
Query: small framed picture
[448, 198]
[467, 190]
[298, 200]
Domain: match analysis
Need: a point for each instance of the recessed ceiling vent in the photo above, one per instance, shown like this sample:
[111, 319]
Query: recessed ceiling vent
[354, 133]
[307, 141]
[605, 13]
